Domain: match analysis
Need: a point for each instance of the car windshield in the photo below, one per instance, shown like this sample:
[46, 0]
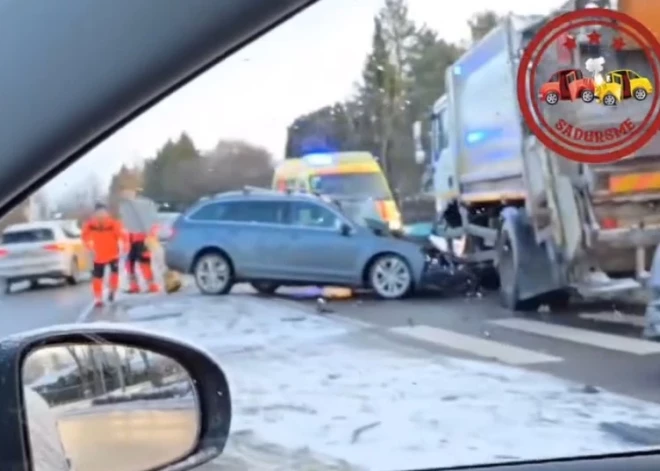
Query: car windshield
[361, 185]
[508, 310]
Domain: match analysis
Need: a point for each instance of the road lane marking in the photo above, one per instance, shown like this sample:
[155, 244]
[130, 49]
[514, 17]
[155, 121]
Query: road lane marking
[614, 318]
[617, 343]
[505, 353]
[85, 313]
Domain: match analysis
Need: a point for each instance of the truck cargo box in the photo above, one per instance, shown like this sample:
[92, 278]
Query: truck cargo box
[646, 12]
[488, 128]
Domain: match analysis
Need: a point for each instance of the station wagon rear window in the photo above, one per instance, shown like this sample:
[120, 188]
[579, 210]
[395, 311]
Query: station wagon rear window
[27, 236]
[271, 212]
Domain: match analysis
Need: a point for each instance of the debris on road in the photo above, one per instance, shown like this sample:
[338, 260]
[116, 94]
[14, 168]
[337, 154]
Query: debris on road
[322, 306]
[355, 436]
[270, 361]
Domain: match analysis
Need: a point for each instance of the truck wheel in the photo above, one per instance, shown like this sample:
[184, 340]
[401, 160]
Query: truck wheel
[587, 96]
[609, 100]
[639, 94]
[508, 268]
[552, 98]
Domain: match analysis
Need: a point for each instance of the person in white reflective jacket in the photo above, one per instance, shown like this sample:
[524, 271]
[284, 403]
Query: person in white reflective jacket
[45, 444]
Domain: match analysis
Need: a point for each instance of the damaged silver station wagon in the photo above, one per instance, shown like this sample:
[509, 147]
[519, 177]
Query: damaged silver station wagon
[273, 239]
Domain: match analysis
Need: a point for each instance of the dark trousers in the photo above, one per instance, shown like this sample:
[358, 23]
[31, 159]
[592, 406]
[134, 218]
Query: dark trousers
[138, 253]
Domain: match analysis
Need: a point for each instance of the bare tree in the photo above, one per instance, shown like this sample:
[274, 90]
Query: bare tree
[233, 164]
[79, 202]
[81, 368]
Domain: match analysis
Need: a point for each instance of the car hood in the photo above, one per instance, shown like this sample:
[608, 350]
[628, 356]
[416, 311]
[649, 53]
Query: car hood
[319, 392]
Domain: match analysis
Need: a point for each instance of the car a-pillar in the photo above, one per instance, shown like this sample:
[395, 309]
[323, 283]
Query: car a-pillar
[527, 273]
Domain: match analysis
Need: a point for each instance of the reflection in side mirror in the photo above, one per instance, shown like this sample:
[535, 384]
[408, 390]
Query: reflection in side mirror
[106, 407]
[420, 155]
[345, 230]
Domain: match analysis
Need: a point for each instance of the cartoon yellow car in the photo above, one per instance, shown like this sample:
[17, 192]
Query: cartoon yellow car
[621, 85]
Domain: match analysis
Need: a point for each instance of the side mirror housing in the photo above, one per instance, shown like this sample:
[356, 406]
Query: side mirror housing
[111, 371]
[345, 229]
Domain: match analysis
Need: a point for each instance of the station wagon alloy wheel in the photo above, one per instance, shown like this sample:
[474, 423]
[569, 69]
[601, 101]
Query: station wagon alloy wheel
[390, 277]
[213, 274]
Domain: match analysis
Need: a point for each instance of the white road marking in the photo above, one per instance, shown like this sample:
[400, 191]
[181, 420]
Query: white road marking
[350, 321]
[617, 343]
[85, 313]
[614, 318]
[509, 354]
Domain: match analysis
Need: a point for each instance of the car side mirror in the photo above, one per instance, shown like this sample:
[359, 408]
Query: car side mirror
[345, 229]
[76, 392]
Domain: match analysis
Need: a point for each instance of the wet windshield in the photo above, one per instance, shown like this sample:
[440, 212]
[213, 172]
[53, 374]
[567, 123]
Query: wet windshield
[513, 314]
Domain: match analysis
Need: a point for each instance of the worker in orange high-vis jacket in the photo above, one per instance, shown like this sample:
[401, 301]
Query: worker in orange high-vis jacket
[105, 237]
[140, 255]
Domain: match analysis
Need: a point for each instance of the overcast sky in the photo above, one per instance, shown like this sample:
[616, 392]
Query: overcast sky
[312, 60]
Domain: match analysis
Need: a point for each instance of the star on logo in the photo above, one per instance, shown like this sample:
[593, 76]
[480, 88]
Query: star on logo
[618, 43]
[569, 43]
[594, 38]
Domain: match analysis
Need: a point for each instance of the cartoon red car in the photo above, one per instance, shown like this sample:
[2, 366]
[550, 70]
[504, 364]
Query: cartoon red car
[568, 84]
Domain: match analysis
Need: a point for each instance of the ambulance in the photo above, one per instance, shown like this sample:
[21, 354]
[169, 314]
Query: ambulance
[352, 178]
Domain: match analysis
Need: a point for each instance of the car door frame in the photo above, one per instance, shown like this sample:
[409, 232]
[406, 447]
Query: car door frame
[572, 84]
[303, 266]
[269, 247]
[617, 87]
[625, 79]
[259, 259]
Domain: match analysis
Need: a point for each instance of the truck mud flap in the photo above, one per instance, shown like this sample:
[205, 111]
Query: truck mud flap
[526, 272]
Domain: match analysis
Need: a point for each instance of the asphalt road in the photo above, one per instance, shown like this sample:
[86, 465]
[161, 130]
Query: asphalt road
[50, 303]
[597, 345]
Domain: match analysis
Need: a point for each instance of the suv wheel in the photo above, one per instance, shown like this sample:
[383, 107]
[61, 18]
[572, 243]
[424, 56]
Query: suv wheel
[265, 287]
[213, 274]
[390, 277]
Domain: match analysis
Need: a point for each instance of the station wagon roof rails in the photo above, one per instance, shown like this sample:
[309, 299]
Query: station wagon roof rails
[270, 191]
[247, 189]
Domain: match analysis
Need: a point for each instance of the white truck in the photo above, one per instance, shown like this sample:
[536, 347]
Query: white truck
[547, 226]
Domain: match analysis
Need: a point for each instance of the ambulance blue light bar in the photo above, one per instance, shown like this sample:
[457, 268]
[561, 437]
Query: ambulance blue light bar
[319, 160]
